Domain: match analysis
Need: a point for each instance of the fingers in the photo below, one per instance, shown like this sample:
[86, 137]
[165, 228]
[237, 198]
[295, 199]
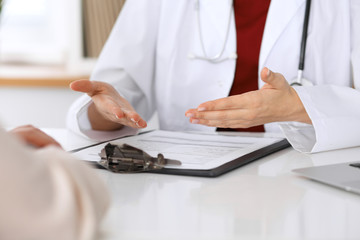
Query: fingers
[233, 118]
[232, 114]
[238, 101]
[34, 136]
[42, 140]
[120, 111]
[225, 123]
[242, 101]
[108, 115]
[133, 119]
[125, 114]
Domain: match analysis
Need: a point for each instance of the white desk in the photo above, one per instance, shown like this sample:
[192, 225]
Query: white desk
[262, 200]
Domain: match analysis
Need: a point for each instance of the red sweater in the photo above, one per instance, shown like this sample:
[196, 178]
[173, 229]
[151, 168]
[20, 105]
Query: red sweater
[250, 17]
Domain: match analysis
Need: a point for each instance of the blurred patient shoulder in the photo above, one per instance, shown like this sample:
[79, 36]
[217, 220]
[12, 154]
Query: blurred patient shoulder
[46, 193]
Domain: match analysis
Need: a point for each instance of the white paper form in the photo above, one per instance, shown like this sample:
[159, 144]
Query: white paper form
[196, 150]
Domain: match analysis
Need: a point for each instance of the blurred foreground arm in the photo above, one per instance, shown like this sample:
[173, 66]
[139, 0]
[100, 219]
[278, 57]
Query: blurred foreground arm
[47, 194]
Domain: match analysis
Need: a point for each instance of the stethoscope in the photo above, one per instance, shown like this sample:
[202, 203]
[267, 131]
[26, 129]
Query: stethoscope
[300, 80]
[217, 58]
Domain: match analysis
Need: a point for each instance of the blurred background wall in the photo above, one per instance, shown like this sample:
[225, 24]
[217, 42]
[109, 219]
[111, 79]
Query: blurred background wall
[44, 45]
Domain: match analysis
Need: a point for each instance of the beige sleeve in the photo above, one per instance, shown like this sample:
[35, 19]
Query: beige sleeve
[47, 194]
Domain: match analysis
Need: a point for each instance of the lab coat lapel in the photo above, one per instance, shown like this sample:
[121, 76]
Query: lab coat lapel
[280, 14]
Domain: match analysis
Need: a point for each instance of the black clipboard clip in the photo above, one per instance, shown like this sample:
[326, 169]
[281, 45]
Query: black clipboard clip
[128, 159]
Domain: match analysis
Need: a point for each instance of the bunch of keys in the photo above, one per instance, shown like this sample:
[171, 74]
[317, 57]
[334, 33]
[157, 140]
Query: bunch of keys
[128, 159]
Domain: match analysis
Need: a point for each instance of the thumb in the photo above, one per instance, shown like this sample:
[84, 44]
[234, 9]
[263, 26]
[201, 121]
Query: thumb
[275, 80]
[84, 86]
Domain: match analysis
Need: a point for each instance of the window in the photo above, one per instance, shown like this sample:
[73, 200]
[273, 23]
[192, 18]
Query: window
[34, 31]
[53, 32]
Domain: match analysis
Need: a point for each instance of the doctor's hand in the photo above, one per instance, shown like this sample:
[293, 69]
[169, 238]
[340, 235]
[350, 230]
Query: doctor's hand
[109, 111]
[276, 101]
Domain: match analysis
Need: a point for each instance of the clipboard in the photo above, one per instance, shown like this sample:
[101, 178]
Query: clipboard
[202, 154]
[227, 167]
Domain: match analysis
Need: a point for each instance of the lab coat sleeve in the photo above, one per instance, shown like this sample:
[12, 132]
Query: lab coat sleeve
[335, 115]
[47, 194]
[127, 62]
[333, 110]
[355, 54]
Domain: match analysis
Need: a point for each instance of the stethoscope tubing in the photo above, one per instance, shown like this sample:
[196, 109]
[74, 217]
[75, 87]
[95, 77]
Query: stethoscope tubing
[218, 57]
[299, 80]
[304, 35]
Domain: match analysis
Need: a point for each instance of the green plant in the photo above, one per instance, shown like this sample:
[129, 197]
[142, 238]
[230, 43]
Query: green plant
[1, 5]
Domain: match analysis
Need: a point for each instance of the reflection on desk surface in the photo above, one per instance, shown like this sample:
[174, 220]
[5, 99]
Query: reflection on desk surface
[231, 206]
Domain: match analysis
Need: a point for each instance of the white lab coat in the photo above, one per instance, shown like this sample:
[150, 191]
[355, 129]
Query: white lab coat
[47, 194]
[146, 60]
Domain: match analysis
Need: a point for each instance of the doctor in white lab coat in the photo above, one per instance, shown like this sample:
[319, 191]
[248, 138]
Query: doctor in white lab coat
[146, 61]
